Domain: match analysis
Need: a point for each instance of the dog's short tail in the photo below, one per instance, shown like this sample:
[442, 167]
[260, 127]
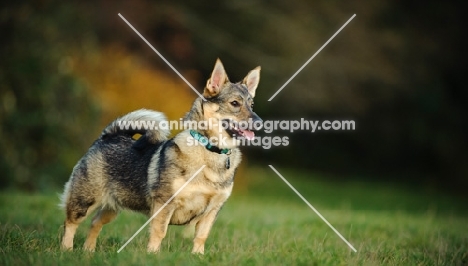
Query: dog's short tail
[149, 123]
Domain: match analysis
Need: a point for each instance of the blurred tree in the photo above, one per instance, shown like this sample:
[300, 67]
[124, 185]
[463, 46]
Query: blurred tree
[46, 114]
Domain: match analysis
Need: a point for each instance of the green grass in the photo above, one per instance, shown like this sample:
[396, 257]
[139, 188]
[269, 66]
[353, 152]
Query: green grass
[263, 223]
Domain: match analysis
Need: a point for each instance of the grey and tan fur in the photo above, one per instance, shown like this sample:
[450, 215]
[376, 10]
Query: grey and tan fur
[119, 172]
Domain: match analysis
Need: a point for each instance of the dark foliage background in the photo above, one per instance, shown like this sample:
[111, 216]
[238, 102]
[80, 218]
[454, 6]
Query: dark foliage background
[396, 69]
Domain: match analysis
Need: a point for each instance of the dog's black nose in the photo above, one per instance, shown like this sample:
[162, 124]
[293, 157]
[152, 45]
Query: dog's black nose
[257, 122]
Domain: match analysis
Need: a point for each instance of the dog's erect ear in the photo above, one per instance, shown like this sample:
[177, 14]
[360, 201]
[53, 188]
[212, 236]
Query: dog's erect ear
[217, 79]
[251, 80]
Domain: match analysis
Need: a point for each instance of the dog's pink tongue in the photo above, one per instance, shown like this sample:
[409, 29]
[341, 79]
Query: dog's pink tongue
[249, 134]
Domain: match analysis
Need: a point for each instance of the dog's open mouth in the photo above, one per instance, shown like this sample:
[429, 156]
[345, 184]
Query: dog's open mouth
[236, 130]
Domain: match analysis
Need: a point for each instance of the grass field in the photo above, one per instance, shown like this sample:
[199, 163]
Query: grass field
[263, 223]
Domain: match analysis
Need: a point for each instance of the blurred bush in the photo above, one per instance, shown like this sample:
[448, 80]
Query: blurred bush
[46, 113]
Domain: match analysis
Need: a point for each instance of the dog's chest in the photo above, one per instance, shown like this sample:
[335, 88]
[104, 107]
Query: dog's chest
[196, 200]
[224, 164]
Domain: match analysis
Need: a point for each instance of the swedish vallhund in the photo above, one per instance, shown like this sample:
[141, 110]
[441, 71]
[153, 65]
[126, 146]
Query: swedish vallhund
[121, 172]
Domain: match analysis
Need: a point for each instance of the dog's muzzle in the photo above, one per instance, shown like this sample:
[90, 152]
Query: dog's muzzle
[245, 128]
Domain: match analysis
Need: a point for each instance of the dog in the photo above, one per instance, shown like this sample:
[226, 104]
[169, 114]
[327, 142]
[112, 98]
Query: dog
[120, 171]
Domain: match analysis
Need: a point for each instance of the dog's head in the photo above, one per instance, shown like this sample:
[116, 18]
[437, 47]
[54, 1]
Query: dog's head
[231, 104]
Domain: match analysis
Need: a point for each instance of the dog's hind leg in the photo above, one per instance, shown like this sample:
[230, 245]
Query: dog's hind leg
[77, 209]
[70, 230]
[101, 218]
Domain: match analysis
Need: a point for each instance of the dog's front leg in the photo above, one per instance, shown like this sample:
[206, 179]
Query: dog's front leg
[202, 230]
[158, 226]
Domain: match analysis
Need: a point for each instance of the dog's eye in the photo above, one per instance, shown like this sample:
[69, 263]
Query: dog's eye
[235, 103]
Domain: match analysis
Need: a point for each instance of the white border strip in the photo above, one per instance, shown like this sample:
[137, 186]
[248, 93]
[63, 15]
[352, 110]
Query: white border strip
[312, 207]
[162, 207]
[310, 59]
[162, 57]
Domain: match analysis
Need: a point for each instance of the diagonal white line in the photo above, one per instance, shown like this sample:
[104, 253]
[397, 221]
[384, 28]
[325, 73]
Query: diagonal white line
[162, 207]
[162, 57]
[312, 207]
[310, 59]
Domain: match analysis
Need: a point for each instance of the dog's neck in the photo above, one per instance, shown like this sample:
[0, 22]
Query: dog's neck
[205, 142]
[196, 112]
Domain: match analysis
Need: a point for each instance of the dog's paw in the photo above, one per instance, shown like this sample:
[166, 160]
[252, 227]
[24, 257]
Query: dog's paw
[66, 248]
[89, 248]
[153, 249]
[198, 250]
